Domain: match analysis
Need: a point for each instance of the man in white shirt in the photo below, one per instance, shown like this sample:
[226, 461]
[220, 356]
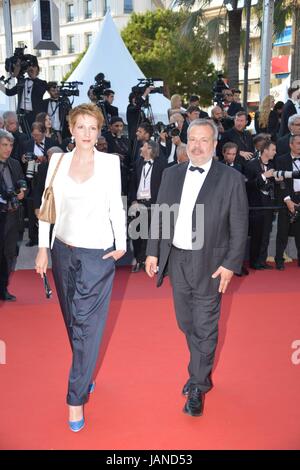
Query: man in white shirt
[201, 252]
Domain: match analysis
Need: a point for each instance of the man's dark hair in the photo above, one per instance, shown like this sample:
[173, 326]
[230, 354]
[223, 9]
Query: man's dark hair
[260, 137]
[51, 85]
[291, 90]
[241, 113]
[193, 108]
[108, 92]
[115, 119]
[228, 146]
[236, 90]
[146, 127]
[266, 144]
[39, 126]
[194, 98]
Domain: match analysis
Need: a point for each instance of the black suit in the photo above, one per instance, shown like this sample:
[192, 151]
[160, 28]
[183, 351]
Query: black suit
[260, 194]
[135, 116]
[110, 110]
[285, 162]
[159, 166]
[196, 296]
[288, 110]
[10, 230]
[39, 88]
[243, 140]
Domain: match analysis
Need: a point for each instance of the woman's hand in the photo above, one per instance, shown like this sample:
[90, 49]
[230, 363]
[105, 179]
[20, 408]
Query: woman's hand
[41, 262]
[116, 254]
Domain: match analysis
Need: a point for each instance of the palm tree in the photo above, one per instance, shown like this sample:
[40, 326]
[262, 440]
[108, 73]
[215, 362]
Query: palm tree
[295, 66]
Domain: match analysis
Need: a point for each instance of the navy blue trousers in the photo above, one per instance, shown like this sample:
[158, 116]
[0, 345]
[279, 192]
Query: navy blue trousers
[83, 281]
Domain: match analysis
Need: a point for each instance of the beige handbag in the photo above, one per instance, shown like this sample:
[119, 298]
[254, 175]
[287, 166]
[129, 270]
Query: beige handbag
[47, 211]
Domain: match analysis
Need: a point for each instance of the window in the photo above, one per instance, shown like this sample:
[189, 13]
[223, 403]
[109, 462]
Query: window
[55, 73]
[70, 12]
[128, 7]
[88, 39]
[88, 9]
[54, 52]
[37, 53]
[71, 44]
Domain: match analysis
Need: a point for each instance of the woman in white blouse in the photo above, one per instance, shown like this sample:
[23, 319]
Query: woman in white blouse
[88, 237]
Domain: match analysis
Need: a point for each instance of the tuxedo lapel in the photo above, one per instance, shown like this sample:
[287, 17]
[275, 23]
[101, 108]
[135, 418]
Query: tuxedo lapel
[177, 187]
[209, 184]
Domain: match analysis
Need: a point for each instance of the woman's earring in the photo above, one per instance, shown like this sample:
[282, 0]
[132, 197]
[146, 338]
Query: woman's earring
[72, 139]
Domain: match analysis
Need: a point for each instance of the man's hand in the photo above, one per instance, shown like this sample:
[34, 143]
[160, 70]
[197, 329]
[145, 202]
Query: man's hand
[291, 206]
[21, 195]
[246, 155]
[176, 140]
[269, 173]
[151, 265]
[225, 279]
[115, 254]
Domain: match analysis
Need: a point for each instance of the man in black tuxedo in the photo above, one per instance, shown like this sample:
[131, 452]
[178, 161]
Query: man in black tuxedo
[10, 176]
[204, 246]
[261, 193]
[231, 157]
[38, 145]
[57, 108]
[291, 107]
[240, 136]
[30, 93]
[145, 184]
[109, 96]
[289, 196]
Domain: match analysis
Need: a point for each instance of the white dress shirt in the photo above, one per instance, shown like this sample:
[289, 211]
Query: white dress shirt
[144, 189]
[26, 102]
[100, 201]
[192, 184]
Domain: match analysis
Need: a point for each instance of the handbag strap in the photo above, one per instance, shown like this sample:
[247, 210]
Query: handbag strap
[55, 171]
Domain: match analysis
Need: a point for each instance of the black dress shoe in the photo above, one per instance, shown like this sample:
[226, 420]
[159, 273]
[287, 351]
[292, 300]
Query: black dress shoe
[186, 388]
[136, 267]
[266, 266]
[8, 297]
[194, 403]
[280, 266]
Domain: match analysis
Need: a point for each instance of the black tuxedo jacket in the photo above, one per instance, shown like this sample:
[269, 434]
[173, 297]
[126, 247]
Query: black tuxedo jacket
[15, 170]
[288, 110]
[234, 108]
[39, 88]
[28, 145]
[225, 223]
[243, 140]
[159, 166]
[256, 183]
[285, 162]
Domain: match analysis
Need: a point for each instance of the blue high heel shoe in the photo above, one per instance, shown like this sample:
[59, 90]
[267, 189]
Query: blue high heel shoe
[76, 426]
[92, 387]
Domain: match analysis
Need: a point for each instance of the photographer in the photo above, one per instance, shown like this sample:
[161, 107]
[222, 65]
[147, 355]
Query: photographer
[35, 152]
[57, 107]
[261, 193]
[135, 114]
[109, 96]
[12, 191]
[30, 92]
[289, 194]
[118, 144]
[170, 138]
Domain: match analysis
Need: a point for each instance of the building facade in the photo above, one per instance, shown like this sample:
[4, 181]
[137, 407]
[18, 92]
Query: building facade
[79, 22]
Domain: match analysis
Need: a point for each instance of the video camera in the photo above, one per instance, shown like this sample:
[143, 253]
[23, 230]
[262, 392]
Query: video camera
[171, 129]
[100, 86]
[145, 83]
[218, 88]
[69, 89]
[19, 58]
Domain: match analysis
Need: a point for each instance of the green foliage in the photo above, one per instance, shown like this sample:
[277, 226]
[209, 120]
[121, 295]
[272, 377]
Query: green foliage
[74, 65]
[155, 41]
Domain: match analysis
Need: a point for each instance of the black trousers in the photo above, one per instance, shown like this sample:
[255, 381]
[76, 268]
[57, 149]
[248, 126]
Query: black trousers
[260, 223]
[283, 229]
[83, 282]
[197, 316]
[9, 234]
[140, 244]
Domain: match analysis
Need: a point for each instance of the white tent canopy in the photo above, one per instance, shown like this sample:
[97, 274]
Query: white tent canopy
[109, 55]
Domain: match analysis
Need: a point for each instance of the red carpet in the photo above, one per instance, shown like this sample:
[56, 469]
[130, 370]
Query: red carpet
[137, 402]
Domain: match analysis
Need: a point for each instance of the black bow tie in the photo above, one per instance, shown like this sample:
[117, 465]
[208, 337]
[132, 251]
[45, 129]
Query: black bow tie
[196, 168]
[295, 159]
[149, 163]
[53, 101]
